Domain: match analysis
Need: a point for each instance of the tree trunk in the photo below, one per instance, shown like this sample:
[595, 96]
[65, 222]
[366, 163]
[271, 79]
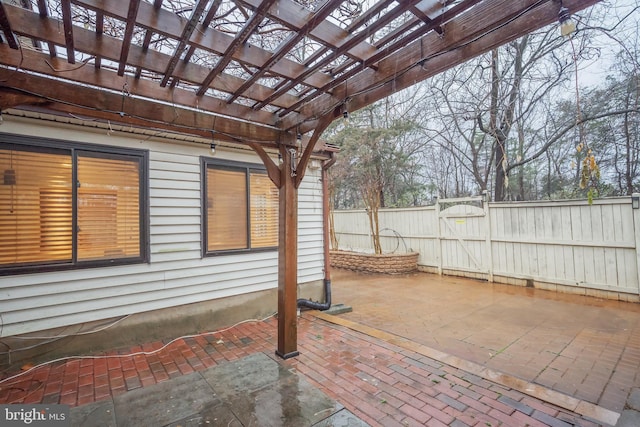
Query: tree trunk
[375, 230]
[371, 197]
[521, 192]
[498, 146]
[333, 238]
[500, 131]
[630, 164]
[501, 180]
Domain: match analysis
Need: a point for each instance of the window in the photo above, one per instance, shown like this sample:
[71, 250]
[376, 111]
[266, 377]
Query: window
[240, 208]
[66, 205]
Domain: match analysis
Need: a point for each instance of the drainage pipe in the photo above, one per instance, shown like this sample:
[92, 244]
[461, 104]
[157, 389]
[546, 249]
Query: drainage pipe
[325, 226]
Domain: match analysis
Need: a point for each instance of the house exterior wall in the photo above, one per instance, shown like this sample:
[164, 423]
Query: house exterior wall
[177, 274]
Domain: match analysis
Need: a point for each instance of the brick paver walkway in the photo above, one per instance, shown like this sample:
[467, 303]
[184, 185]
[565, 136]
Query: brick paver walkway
[581, 346]
[382, 383]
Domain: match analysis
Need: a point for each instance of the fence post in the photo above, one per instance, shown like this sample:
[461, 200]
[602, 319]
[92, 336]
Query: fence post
[487, 219]
[635, 212]
[438, 237]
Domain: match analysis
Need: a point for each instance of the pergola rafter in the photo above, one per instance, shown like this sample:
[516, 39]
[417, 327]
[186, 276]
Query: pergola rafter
[253, 72]
[348, 44]
[128, 34]
[68, 32]
[184, 37]
[288, 44]
[42, 8]
[240, 39]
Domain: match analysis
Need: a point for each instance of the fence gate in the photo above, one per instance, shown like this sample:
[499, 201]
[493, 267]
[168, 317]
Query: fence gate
[464, 236]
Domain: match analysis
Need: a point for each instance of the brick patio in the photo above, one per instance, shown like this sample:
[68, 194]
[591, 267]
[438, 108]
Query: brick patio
[580, 346]
[383, 383]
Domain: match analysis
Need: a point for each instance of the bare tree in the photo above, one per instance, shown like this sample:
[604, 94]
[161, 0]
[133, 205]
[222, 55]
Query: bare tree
[373, 165]
[526, 120]
[495, 115]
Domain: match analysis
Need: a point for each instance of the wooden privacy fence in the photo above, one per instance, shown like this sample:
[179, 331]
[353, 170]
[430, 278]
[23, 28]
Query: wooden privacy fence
[562, 245]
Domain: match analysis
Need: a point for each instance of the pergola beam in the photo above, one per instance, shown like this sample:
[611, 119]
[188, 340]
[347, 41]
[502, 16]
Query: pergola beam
[147, 39]
[295, 16]
[182, 42]
[349, 43]
[68, 30]
[205, 23]
[169, 24]
[10, 98]
[42, 10]
[122, 108]
[40, 63]
[287, 45]
[99, 32]
[387, 51]
[431, 66]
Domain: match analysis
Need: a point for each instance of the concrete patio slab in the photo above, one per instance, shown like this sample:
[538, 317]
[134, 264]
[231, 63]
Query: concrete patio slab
[94, 414]
[165, 403]
[254, 390]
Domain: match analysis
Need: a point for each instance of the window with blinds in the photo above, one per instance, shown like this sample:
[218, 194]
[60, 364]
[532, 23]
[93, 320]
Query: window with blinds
[264, 211]
[226, 209]
[36, 213]
[69, 207]
[241, 208]
[108, 208]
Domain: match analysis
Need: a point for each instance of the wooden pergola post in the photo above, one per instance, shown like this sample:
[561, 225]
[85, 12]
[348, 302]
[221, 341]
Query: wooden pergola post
[288, 177]
[288, 256]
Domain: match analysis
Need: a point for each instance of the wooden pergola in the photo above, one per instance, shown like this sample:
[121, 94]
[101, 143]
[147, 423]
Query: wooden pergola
[256, 72]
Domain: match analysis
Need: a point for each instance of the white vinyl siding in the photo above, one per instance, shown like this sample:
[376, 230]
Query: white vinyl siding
[177, 274]
[310, 237]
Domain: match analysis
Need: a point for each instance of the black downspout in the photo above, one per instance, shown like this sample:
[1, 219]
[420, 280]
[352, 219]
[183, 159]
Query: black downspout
[305, 303]
[327, 264]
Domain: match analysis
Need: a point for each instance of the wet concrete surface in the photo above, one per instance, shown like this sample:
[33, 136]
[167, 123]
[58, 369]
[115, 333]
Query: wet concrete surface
[252, 391]
[581, 346]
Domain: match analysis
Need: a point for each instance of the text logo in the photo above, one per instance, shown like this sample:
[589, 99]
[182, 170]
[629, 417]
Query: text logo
[35, 415]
